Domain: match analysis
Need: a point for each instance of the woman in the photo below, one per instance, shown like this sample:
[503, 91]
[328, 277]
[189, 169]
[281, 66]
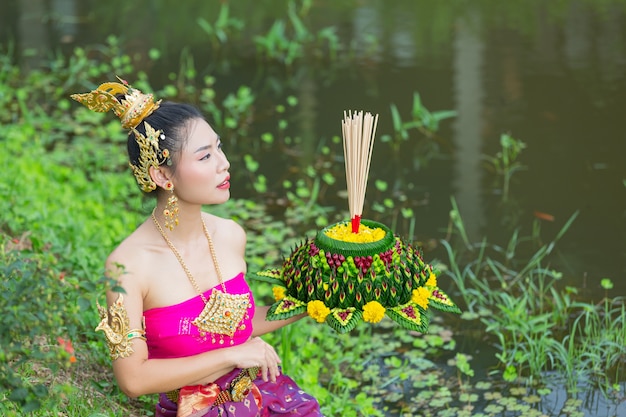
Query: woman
[186, 325]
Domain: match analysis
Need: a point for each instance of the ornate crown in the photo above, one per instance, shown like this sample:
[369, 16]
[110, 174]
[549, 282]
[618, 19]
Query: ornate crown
[132, 109]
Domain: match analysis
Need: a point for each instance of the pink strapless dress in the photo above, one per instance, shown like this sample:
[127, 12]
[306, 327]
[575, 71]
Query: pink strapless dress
[171, 334]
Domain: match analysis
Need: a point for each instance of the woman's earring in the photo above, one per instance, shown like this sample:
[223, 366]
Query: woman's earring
[171, 208]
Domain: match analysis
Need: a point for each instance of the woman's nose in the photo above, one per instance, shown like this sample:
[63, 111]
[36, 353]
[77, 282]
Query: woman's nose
[224, 163]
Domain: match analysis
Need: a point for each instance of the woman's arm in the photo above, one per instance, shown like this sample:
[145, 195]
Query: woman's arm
[136, 375]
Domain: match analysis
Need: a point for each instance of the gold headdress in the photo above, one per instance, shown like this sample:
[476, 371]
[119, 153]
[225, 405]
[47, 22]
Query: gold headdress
[132, 109]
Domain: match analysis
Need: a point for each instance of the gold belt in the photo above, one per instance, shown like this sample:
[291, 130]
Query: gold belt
[236, 390]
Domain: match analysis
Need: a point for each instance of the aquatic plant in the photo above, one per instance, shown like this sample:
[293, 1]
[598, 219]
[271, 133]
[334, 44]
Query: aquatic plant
[505, 162]
[539, 328]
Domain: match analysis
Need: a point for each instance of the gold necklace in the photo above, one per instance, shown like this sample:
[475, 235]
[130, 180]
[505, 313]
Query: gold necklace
[223, 312]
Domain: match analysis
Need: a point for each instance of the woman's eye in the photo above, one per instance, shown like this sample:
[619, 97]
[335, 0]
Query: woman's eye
[205, 157]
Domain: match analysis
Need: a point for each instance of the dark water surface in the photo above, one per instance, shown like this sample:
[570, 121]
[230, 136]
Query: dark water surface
[550, 73]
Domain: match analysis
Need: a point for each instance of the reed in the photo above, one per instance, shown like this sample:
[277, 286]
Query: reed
[539, 328]
[505, 162]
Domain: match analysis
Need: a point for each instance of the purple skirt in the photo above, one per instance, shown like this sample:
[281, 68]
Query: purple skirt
[283, 397]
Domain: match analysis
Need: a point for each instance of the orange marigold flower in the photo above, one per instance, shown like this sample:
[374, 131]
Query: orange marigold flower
[420, 297]
[317, 310]
[72, 359]
[373, 312]
[279, 293]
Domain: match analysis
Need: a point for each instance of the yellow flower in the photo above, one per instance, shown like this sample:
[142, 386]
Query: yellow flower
[373, 312]
[279, 293]
[317, 310]
[343, 232]
[432, 280]
[420, 297]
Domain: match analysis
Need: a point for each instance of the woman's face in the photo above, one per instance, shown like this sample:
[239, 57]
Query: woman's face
[202, 175]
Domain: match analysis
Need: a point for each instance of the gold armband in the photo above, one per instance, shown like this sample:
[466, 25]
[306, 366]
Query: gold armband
[116, 327]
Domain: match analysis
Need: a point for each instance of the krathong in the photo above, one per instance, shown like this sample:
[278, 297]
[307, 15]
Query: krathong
[358, 269]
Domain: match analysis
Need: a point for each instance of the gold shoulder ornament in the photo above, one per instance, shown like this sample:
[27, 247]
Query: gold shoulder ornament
[116, 327]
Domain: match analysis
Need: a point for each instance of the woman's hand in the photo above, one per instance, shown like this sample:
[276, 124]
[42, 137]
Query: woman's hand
[255, 352]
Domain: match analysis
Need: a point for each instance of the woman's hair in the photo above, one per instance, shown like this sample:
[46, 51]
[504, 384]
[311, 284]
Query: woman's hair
[173, 120]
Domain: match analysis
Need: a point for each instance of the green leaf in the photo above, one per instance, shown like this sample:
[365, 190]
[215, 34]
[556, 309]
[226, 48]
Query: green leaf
[270, 276]
[381, 185]
[286, 308]
[154, 54]
[342, 320]
[442, 302]
[510, 373]
[410, 316]
[606, 283]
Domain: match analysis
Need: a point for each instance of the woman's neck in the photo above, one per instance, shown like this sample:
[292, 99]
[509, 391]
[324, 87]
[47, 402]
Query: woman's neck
[189, 227]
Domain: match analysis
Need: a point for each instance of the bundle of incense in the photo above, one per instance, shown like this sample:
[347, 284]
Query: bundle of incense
[358, 141]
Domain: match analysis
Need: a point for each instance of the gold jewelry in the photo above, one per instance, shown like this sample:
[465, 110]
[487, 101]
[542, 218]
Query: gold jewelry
[171, 208]
[237, 390]
[132, 109]
[241, 384]
[116, 327]
[223, 312]
[149, 156]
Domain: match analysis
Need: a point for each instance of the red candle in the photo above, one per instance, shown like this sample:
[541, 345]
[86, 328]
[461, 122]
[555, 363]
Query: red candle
[356, 222]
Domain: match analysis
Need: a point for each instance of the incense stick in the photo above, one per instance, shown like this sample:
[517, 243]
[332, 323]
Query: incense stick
[358, 142]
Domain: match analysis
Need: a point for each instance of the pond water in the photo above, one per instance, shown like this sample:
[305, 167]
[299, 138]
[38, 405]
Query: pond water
[550, 74]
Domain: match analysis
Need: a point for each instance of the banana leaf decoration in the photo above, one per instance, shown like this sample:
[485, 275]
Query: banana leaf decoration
[341, 283]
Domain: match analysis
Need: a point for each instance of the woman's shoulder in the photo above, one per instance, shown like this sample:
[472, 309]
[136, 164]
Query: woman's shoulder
[128, 256]
[225, 228]
[227, 233]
